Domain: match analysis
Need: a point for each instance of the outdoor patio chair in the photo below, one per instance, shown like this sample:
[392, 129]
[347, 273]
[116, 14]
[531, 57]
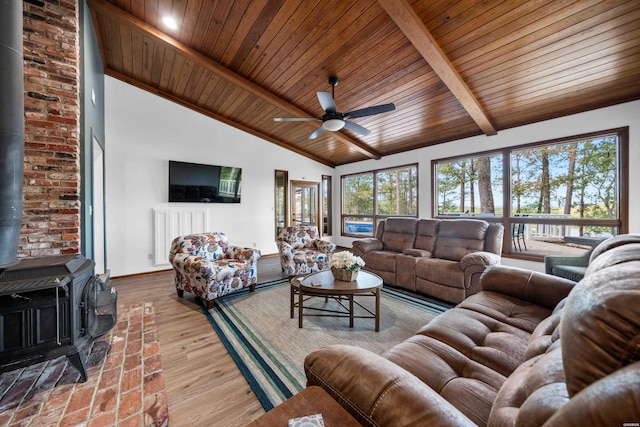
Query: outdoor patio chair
[574, 267]
[517, 235]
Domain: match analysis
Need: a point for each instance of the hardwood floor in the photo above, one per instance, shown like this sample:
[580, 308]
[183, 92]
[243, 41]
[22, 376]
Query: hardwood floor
[203, 384]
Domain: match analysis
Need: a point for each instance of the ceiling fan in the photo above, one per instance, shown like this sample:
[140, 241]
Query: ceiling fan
[333, 120]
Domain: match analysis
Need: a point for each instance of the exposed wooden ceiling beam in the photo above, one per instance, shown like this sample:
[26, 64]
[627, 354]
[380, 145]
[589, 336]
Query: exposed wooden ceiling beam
[413, 28]
[225, 73]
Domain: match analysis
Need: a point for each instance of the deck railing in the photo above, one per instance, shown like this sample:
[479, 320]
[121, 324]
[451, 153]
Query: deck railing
[545, 231]
[549, 232]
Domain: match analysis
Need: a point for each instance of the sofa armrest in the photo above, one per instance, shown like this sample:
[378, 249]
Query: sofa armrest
[286, 253]
[538, 288]
[194, 266]
[418, 253]
[473, 265]
[378, 392]
[325, 246]
[284, 246]
[243, 254]
[366, 245]
[479, 259]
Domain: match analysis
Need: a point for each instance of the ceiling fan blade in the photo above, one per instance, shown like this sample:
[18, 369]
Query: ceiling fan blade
[370, 111]
[356, 128]
[316, 133]
[327, 102]
[294, 119]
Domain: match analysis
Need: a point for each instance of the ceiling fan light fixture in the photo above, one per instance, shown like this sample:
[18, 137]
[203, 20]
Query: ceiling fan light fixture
[333, 120]
[333, 124]
[170, 22]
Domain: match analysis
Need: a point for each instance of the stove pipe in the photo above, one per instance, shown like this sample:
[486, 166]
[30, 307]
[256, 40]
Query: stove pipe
[11, 130]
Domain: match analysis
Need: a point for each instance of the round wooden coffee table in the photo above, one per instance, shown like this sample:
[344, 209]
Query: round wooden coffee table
[322, 284]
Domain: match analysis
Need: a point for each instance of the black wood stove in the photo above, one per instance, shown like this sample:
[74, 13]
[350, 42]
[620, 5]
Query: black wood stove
[52, 307]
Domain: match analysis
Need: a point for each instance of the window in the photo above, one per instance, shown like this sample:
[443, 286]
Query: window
[470, 186]
[553, 197]
[371, 196]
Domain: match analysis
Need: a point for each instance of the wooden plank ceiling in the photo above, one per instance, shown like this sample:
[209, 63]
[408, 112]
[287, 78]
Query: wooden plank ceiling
[453, 69]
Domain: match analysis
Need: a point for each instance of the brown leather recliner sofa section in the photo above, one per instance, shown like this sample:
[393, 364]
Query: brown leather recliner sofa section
[440, 258]
[529, 349]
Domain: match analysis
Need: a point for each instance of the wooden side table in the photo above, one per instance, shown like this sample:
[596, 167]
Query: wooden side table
[311, 400]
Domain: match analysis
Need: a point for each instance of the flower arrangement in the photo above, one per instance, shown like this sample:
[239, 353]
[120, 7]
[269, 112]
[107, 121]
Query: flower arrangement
[345, 260]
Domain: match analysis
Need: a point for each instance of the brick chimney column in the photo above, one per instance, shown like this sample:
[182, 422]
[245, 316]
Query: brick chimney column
[51, 204]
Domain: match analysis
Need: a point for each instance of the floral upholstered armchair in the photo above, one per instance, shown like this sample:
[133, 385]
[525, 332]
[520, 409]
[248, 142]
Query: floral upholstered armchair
[209, 267]
[302, 251]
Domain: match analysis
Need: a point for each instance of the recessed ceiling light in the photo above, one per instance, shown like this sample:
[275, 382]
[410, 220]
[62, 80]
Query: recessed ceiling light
[170, 22]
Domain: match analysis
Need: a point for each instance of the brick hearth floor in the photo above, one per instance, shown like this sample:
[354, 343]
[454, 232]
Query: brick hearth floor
[125, 386]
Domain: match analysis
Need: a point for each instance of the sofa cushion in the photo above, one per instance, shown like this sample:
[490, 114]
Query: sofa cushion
[399, 234]
[310, 260]
[427, 234]
[466, 384]
[458, 237]
[380, 260]
[299, 236]
[216, 245]
[605, 403]
[401, 225]
[613, 242]
[483, 339]
[599, 329]
[545, 334]
[444, 272]
[493, 238]
[532, 286]
[207, 245]
[513, 311]
[533, 393]
[417, 253]
[397, 242]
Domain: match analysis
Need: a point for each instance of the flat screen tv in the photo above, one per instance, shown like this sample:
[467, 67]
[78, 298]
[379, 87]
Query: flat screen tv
[198, 183]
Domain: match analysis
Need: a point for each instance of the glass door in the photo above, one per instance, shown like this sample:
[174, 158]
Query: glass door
[304, 203]
[281, 200]
[326, 205]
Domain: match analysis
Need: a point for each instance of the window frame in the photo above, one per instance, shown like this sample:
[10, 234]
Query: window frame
[280, 199]
[376, 218]
[508, 219]
[326, 198]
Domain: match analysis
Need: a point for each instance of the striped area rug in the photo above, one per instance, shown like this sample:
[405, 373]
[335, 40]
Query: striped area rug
[269, 348]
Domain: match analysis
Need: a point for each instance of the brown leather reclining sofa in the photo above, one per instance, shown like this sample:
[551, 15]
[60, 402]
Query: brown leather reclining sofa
[440, 258]
[529, 349]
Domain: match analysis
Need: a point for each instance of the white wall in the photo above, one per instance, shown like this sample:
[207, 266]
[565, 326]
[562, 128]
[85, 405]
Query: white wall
[622, 115]
[144, 132]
